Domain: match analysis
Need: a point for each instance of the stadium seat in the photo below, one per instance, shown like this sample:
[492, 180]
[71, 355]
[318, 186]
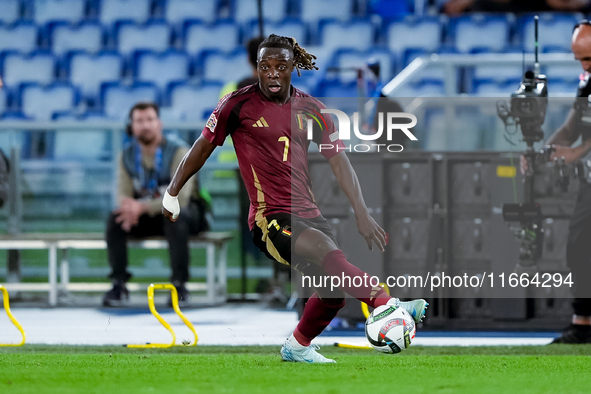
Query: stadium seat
[40, 103]
[194, 103]
[220, 36]
[569, 72]
[563, 88]
[178, 11]
[494, 89]
[118, 99]
[67, 142]
[414, 33]
[357, 35]
[119, 10]
[305, 82]
[389, 9]
[37, 67]
[88, 72]
[246, 10]
[9, 11]
[149, 37]
[480, 32]
[221, 67]
[315, 10]
[332, 88]
[425, 88]
[161, 69]
[287, 28]
[499, 74]
[86, 37]
[323, 60]
[21, 37]
[359, 59]
[555, 31]
[58, 10]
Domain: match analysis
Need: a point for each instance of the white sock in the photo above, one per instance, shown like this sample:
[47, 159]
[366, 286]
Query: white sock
[295, 344]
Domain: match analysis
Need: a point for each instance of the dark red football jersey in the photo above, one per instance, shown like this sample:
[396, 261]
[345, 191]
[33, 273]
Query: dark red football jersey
[272, 148]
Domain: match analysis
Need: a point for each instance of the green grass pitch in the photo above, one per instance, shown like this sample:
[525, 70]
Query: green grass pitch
[258, 369]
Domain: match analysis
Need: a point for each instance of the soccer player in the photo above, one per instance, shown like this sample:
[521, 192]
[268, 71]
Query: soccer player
[273, 162]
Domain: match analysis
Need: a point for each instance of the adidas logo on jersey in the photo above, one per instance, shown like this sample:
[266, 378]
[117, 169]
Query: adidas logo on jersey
[260, 123]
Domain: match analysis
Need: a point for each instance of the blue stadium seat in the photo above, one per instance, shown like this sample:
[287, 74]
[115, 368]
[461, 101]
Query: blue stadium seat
[22, 38]
[566, 88]
[568, 72]
[336, 89]
[555, 31]
[118, 99]
[86, 37]
[149, 37]
[498, 74]
[324, 58]
[494, 89]
[425, 88]
[220, 36]
[305, 82]
[178, 11]
[480, 32]
[221, 67]
[37, 67]
[119, 10]
[357, 35]
[40, 103]
[287, 28]
[162, 69]
[194, 103]
[390, 9]
[246, 10]
[9, 11]
[58, 10]
[315, 10]
[414, 33]
[88, 72]
[359, 59]
[67, 143]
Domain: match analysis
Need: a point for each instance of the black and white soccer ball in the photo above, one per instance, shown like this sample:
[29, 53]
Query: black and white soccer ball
[390, 329]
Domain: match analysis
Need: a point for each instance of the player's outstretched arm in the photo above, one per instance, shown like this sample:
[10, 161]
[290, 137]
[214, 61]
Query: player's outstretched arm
[190, 164]
[349, 183]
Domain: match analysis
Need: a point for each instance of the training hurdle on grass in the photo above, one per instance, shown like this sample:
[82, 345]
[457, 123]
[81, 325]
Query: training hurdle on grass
[214, 243]
[12, 318]
[175, 306]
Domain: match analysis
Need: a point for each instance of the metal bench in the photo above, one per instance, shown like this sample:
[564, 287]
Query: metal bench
[214, 243]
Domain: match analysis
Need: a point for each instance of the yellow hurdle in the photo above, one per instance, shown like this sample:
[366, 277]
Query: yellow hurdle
[364, 307]
[11, 317]
[175, 306]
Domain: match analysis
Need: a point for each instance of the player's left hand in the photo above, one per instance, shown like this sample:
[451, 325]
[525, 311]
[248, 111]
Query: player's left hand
[371, 231]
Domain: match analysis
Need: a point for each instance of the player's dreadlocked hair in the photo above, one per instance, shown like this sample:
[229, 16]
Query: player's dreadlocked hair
[301, 58]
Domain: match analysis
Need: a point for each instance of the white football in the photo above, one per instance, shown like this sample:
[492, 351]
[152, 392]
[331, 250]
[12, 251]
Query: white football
[390, 329]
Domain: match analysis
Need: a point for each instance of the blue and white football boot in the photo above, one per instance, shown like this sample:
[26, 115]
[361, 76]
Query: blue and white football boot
[294, 352]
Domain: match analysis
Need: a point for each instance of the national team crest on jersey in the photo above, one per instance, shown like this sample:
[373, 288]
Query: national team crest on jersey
[301, 120]
[211, 122]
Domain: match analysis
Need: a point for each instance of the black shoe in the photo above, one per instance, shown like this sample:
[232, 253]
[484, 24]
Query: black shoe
[575, 334]
[183, 293]
[116, 297]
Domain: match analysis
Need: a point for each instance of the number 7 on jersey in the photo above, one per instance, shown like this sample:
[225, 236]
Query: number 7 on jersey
[286, 150]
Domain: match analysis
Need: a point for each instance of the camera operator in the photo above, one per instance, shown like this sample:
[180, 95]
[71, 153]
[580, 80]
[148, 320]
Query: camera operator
[578, 250]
